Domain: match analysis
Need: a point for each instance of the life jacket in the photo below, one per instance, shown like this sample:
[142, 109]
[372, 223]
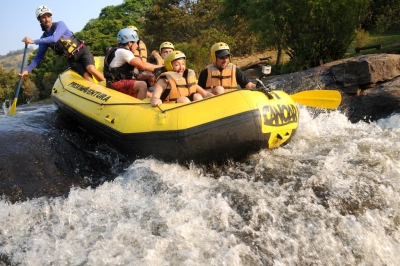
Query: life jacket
[65, 46]
[158, 59]
[141, 51]
[178, 85]
[113, 74]
[225, 78]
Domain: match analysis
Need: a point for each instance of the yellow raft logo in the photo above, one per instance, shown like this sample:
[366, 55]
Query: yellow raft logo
[279, 115]
[88, 91]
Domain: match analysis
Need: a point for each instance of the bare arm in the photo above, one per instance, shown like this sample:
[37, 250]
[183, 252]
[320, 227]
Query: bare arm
[160, 86]
[250, 85]
[136, 62]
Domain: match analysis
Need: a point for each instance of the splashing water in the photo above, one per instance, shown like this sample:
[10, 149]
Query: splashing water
[329, 197]
[5, 106]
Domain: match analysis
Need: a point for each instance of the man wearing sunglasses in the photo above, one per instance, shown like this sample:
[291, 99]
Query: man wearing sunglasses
[222, 76]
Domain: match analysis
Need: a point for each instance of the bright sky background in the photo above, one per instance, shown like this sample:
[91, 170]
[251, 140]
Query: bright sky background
[17, 18]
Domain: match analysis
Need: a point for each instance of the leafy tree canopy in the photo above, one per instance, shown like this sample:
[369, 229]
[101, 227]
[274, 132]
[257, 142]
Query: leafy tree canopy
[311, 32]
[100, 33]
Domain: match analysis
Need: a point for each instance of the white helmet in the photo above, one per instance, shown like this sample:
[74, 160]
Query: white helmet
[42, 10]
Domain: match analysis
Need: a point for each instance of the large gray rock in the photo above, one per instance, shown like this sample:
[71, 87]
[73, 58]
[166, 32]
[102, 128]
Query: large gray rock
[369, 84]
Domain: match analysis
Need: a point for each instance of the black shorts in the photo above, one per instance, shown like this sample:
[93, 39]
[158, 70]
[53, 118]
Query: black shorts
[191, 96]
[81, 60]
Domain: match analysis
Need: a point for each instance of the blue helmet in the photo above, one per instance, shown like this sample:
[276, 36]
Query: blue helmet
[127, 35]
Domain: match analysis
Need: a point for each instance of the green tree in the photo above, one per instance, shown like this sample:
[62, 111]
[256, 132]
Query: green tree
[45, 75]
[247, 23]
[29, 89]
[262, 20]
[100, 33]
[189, 25]
[170, 20]
[382, 14]
[320, 31]
[8, 81]
[311, 31]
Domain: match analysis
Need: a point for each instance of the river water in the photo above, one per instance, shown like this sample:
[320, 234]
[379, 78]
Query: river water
[329, 197]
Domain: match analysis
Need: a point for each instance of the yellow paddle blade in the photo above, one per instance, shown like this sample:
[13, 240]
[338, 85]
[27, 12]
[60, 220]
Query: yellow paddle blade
[329, 99]
[13, 107]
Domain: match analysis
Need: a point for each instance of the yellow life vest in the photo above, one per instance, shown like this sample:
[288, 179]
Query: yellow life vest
[178, 85]
[141, 51]
[225, 78]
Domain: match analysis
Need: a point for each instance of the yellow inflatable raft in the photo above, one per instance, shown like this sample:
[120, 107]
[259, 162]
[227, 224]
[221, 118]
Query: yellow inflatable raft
[227, 126]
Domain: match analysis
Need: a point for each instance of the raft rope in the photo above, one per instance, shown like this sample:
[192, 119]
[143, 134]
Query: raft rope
[259, 86]
[93, 101]
[266, 90]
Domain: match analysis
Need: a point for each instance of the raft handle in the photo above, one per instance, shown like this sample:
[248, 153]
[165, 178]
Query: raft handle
[284, 137]
[162, 117]
[110, 120]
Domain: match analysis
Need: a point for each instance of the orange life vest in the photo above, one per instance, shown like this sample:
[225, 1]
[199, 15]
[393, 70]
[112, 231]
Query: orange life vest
[225, 78]
[155, 58]
[159, 59]
[141, 51]
[178, 85]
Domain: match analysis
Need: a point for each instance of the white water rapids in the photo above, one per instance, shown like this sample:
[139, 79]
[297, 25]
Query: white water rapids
[329, 197]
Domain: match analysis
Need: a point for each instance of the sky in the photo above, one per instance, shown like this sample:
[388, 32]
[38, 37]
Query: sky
[17, 18]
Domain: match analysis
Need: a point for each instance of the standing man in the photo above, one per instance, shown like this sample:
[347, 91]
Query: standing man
[59, 38]
[222, 76]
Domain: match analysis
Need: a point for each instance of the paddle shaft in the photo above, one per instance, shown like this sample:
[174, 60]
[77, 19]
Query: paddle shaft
[13, 107]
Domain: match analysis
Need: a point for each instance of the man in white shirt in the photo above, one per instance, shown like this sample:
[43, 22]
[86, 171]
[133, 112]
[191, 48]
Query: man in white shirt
[120, 62]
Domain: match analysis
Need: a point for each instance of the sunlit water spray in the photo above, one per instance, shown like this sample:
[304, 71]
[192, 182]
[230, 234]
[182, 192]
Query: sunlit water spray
[5, 106]
[329, 197]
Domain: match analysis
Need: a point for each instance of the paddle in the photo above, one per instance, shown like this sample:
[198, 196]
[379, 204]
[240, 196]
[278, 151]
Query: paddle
[329, 99]
[13, 107]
